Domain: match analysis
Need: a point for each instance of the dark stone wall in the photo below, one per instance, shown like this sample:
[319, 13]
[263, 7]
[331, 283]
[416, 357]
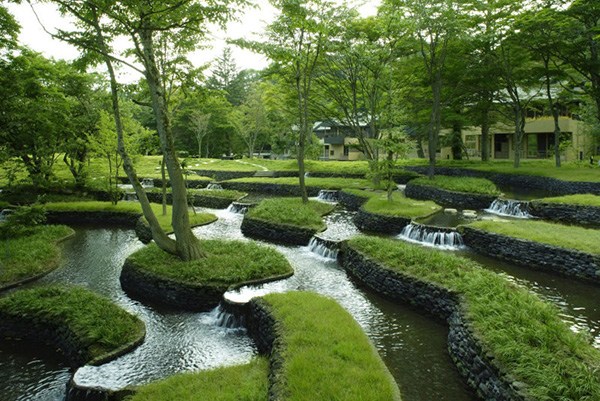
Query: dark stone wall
[548, 184]
[99, 218]
[564, 213]
[567, 262]
[279, 233]
[212, 202]
[269, 188]
[148, 287]
[223, 175]
[371, 222]
[459, 200]
[466, 350]
[351, 201]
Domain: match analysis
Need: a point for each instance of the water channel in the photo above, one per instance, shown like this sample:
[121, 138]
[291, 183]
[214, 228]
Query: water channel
[412, 345]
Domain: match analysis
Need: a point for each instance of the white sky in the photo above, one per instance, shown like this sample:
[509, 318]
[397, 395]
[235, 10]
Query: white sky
[253, 21]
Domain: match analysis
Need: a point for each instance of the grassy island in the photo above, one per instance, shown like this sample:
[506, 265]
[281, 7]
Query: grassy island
[526, 335]
[563, 236]
[578, 199]
[226, 263]
[472, 185]
[292, 211]
[399, 206]
[97, 325]
[31, 255]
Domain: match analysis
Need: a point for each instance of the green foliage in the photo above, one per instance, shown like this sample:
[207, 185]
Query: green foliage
[247, 382]
[460, 184]
[226, 263]
[292, 211]
[526, 336]
[98, 324]
[326, 355]
[30, 254]
[578, 199]
[570, 237]
[399, 205]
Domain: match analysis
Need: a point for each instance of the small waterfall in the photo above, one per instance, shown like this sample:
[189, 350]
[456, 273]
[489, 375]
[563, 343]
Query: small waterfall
[307, 174]
[239, 207]
[510, 207]
[130, 197]
[438, 237]
[221, 318]
[325, 248]
[213, 185]
[328, 195]
[148, 183]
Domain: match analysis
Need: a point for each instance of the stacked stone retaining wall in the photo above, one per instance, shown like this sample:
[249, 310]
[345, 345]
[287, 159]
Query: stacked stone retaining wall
[270, 188]
[124, 219]
[371, 222]
[351, 201]
[273, 232]
[565, 213]
[567, 262]
[459, 200]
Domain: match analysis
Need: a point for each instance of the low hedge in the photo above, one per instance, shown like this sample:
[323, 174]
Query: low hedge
[96, 326]
[569, 237]
[459, 184]
[525, 335]
[292, 211]
[319, 352]
[234, 383]
[30, 256]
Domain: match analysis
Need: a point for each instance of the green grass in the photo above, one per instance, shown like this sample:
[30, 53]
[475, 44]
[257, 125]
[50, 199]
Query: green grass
[29, 256]
[570, 237]
[99, 325]
[292, 211]
[326, 355]
[323, 183]
[526, 336]
[459, 184]
[579, 199]
[399, 206]
[226, 263]
[197, 219]
[218, 193]
[248, 382]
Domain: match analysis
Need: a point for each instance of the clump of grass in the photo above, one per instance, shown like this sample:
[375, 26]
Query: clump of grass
[399, 206]
[98, 324]
[526, 335]
[28, 256]
[292, 211]
[248, 382]
[571, 237]
[326, 355]
[226, 263]
[459, 184]
[578, 199]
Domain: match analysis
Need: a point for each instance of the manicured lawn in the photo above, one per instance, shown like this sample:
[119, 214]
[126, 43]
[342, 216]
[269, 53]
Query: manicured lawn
[326, 355]
[459, 184]
[292, 211]
[226, 263]
[323, 183]
[578, 199]
[399, 206]
[98, 324]
[248, 382]
[570, 237]
[31, 255]
[526, 335]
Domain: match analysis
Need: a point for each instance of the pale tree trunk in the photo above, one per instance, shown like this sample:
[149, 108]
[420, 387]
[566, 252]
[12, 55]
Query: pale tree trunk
[519, 126]
[187, 245]
[554, 109]
[434, 125]
[301, 140]
[164, 186]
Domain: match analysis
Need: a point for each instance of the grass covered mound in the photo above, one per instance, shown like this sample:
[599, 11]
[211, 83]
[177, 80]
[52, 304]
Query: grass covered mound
[28, 256]
[325, 354]
[526, 336]
[234, 383]
[196, 219]
[459, 184]
[226, 263]
[399, 206]
[99, 326]
[322, 183]
[579, 199]
[569, 237]
[292, 211]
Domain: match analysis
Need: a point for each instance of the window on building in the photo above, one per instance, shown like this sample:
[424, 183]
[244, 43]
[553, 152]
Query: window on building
[331, 152]
[346, 150]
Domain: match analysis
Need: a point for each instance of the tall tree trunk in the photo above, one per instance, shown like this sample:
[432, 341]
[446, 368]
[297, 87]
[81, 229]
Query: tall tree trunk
[554, 109]
[303, 114]
[518, 138]
[164, 186]
[485, 133]
[434, 124]
[187, 245]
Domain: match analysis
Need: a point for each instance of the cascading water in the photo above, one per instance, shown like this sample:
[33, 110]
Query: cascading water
[148, 183]
[222, 318]
[510, 207]
[325, 248]
[213, 185]
[327, 195]
[437, 237]
[239, 207]
[130, 197]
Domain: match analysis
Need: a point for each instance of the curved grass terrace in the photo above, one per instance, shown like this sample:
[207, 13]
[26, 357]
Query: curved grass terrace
[563, 236]
[99, 329]
[30, 256]
[578, 199]
[400, 206]
[471, 185]
[317, 182]
[525, 335]
[292, 211]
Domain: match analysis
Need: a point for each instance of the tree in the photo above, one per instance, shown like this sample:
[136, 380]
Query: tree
[199, 122]
[9, 30]
[251, 119]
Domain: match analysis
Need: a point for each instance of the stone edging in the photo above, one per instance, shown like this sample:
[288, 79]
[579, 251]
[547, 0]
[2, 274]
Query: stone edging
[566, 213]
[213, 202]
[465, 348]
[270, 188]
[125, 219]
[367, 221]
[351, 201]
[274, 232]
[460, 200]
[567, 262]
